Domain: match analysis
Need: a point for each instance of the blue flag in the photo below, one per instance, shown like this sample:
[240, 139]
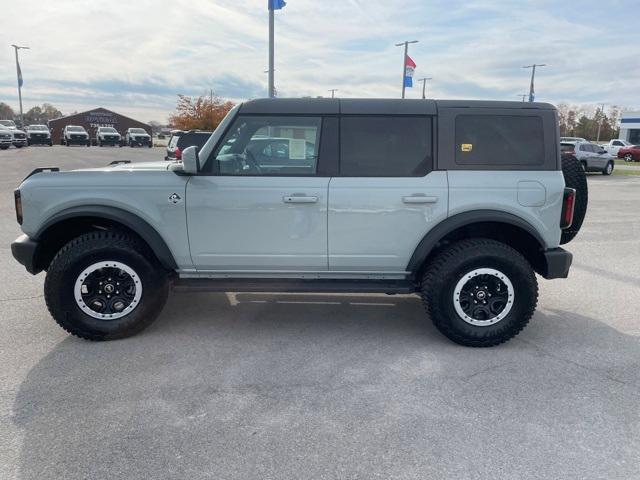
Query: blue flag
[19, 75]
[276, 4]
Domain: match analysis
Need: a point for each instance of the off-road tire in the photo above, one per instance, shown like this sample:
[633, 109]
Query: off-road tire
[452, 264]
[91, 248]
[575, 177]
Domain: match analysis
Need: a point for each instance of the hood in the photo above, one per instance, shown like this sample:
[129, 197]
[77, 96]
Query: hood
[131, 167]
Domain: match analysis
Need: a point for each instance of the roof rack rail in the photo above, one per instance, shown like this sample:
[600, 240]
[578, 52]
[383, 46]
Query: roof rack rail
[42, 169]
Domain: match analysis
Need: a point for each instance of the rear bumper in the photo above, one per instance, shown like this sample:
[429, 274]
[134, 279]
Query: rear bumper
[24, 251]
[558, 262]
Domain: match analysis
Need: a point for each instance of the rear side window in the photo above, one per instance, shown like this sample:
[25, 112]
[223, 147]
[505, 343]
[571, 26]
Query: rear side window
[567, 147]
[385, 146]
[499, 140]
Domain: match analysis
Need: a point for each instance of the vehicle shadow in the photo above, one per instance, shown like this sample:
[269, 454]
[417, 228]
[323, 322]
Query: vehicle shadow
[339, 386]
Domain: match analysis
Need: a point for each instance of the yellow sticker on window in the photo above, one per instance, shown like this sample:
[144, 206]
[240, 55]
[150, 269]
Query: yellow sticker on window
[466, 147]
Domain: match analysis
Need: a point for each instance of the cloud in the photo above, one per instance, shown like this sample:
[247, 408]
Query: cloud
[136, 56]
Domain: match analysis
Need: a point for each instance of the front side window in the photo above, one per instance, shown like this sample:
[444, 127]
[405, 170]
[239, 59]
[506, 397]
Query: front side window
[499, 140]
[260, 145]
[385, 146]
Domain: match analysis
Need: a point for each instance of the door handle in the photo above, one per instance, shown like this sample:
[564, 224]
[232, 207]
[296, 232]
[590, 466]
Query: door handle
[414, 199]
[299, 199]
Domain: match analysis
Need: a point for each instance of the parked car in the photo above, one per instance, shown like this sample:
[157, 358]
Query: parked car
[630, 154]
[6, 138]
[38, 135]
[180, 140]
[592, 157]
[108, 136]
[19, 138]
[75, 135]
[365, 200]
[614, 145]
[8, 124]
[137, 137]
[572, 139]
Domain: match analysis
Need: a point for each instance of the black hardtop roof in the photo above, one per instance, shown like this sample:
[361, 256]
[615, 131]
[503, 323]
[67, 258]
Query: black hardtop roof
[372, 106]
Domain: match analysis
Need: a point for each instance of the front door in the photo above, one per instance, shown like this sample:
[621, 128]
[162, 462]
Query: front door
[263, 207]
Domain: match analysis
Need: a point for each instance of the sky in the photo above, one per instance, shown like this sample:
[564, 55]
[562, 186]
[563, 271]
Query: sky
[135, 56]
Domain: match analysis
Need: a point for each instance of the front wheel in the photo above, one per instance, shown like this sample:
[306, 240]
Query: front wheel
[608, 170]
[479, 292]
[105, 285]
[628, 157]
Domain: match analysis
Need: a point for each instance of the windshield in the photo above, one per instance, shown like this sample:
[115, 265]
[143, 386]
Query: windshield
[137, 130]
[8, 123]
[37, 127]
[107, 130]
[75, 129]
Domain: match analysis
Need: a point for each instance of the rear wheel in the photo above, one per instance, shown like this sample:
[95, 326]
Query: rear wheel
[574, 177]
[105, 285]
[479, 292]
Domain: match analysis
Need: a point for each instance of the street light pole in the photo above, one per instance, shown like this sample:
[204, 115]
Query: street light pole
[424, 86]
[19, 75]
[404, 60]
[533, 74]
[333, 92]
[523, 95]
[600, 122]
[272, 92]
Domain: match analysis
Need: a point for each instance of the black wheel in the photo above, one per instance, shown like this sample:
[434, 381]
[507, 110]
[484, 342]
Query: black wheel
[479, 292]
[88, 143]
[66, 142]
[4, 147]
[574, 177]
[50, 143]
[19, 146]
[105, 285]
[608, 170]
[100, 144]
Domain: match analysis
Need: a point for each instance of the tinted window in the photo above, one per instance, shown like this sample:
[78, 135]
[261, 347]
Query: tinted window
[617, 144]
[567, 147]
[584, 148]
[385, 146]
[256, 145]
[499, 140]
[197, 139]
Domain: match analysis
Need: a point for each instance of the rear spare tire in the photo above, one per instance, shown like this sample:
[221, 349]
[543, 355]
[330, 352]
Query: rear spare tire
[574, 177]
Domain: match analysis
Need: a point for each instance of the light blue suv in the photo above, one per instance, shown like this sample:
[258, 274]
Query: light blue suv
[461, 202]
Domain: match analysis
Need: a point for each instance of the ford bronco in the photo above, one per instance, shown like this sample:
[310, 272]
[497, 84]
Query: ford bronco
[461, 202]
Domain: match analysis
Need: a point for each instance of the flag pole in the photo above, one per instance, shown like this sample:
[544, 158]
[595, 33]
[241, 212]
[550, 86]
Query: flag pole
[271, 51]
[404, 61]
[19, 75]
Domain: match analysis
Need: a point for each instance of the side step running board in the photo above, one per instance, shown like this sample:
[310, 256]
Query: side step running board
[293, 285]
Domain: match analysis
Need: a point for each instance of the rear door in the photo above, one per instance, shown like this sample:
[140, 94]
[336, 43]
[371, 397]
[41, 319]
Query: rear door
[386, 196]
[247, 216]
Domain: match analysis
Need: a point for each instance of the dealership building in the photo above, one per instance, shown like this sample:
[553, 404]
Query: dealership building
[630, 127]
[91, 120]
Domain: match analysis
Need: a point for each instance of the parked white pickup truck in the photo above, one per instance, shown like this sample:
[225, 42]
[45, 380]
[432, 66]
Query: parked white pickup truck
[614, 145]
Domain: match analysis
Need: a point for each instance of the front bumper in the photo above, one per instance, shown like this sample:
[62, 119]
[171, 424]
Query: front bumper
[24, 250]
[142, 141]
[557, 263]
[77, 141]
[109, 140]
[39, 140]
[19, 141]
[6, 141]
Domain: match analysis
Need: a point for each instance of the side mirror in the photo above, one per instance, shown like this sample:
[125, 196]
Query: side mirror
[190, 160]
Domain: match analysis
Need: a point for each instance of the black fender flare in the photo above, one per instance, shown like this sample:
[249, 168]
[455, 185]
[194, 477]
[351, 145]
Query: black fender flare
[124, 217]
[437, 233]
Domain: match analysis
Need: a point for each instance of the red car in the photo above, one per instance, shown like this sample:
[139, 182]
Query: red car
[630, 154]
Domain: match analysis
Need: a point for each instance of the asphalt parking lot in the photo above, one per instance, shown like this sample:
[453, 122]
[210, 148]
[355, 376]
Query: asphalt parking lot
[263, 386]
